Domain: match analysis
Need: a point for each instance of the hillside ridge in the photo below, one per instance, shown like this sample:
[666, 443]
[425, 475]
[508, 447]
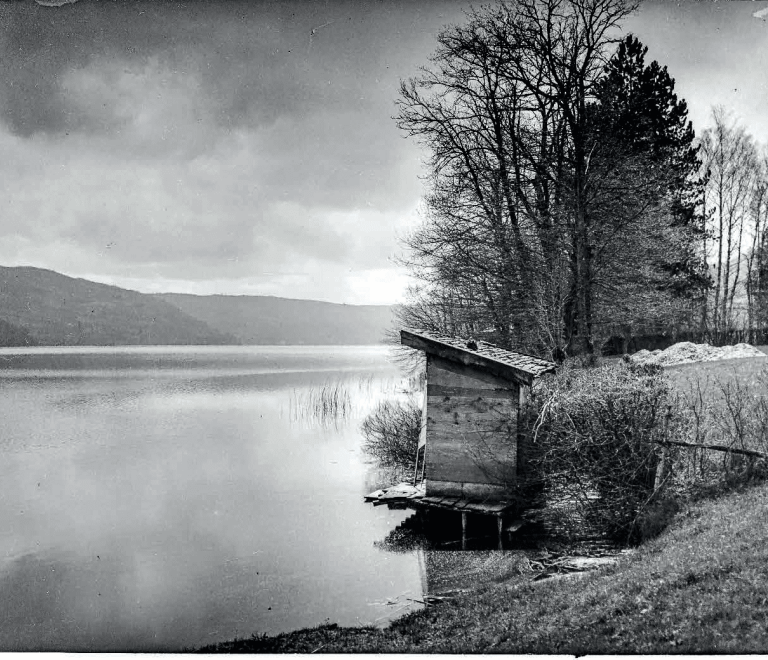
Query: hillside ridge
[39, 306]
[278, 320]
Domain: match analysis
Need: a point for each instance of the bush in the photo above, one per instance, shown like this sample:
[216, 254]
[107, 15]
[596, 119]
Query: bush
[724, 410]
[597, 437]
[392, 432]
[603, 444]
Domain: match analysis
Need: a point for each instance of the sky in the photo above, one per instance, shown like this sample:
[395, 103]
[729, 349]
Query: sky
[248, 147]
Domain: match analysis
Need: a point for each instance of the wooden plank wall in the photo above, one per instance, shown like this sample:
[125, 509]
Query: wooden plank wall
[471, 430]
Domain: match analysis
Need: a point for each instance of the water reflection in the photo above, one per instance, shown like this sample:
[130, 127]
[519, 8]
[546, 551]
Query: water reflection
[438, 530]
[453, 558]
[158, 509]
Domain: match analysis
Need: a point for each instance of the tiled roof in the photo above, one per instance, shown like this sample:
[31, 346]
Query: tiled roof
[481, 351]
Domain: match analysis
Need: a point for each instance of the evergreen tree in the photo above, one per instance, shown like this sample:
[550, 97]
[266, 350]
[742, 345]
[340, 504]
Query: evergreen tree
[637, 108]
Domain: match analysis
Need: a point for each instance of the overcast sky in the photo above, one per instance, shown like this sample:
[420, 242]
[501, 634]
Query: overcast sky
[248, 147]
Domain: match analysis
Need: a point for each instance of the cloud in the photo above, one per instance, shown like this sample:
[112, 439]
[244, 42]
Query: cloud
[154, 142]
[716, 52]
[248, 146]
[143, 107]
[257, 61]
[220, 215]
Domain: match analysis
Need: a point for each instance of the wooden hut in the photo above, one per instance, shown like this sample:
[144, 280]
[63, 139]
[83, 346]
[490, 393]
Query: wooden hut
[469, 448]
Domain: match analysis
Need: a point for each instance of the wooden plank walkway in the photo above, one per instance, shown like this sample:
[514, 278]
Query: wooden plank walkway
[461, 504]
[415, 497]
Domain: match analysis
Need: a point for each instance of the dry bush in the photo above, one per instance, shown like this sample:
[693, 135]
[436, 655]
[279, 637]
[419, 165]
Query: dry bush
[596, 442]
[604, 444]
[728, 412]
[392, 432]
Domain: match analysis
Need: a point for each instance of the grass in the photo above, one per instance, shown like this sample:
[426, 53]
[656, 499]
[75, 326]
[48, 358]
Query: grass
[700, 587]
[329, 404]
[334, 402]
[744, 370]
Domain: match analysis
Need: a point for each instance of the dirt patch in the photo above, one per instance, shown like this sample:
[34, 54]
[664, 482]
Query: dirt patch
[686, 352]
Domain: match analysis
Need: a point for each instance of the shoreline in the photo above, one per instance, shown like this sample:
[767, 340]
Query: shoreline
[699, 587]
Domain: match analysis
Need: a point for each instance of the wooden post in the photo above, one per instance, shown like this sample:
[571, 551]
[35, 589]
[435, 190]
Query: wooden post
[422, 436]
[500, 525]
[463, 530]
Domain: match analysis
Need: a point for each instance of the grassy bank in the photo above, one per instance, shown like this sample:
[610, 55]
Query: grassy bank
[744, 370]
[700, 587]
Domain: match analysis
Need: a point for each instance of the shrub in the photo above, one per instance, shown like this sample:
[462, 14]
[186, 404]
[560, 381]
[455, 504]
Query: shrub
[392, 432]
[604, 443]
[726, 411]
[597, 441]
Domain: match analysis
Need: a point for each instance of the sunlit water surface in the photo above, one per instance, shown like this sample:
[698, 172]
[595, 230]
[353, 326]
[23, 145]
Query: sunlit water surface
[168, 497]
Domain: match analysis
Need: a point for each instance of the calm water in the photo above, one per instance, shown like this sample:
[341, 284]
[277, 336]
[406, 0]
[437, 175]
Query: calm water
[170, 497]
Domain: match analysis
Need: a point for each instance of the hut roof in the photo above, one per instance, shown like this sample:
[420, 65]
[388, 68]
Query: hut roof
[501, 362]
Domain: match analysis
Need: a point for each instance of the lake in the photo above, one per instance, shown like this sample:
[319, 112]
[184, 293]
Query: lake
[162, 498]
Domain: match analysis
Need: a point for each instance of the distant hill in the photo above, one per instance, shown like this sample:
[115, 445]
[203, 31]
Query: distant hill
[43, 307]
[58, 310]
[272, 320]
[13, 335]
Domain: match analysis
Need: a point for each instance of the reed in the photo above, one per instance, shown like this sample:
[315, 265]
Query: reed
[335, 402]
[329, 404]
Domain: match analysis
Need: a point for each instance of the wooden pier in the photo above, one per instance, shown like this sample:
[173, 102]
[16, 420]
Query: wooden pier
[414, 497]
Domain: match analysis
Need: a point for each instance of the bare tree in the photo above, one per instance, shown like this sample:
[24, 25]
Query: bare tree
[730, 158]
[539, 211]
[503, 111]
[468, 111]
[757, 256]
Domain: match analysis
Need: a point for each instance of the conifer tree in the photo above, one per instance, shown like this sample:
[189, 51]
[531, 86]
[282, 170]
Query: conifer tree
[642, 128]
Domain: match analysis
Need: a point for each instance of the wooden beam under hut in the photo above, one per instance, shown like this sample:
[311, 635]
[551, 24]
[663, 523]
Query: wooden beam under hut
[414, 497]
